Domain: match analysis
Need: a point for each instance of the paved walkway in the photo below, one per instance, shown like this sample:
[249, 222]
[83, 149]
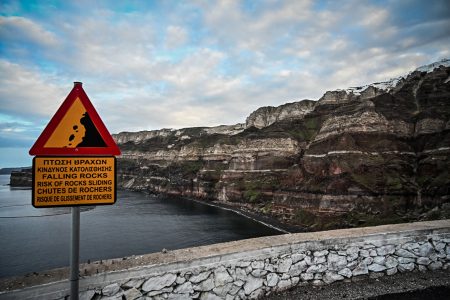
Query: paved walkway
[407, 286]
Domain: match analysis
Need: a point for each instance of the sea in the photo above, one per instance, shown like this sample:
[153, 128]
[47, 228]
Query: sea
[38, 239]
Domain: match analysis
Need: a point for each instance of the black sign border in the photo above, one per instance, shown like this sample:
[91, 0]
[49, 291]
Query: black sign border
[73, 205]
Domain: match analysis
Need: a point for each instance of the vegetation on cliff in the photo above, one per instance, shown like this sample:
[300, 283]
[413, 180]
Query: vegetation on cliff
[362, 156]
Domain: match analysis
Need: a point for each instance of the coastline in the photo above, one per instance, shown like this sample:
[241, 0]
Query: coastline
[286, 228]
[265, 220]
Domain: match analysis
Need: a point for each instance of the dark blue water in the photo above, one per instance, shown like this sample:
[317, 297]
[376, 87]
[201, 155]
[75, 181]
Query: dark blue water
[33, 240]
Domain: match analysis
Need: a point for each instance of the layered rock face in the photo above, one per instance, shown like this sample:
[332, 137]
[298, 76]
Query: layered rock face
[267, 115]
[22, 178]
[360, 156]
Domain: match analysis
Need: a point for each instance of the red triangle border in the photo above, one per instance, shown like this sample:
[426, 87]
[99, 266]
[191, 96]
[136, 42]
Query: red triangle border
[77, 92]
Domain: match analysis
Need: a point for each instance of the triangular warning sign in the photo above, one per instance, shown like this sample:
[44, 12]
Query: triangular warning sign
[75, 129]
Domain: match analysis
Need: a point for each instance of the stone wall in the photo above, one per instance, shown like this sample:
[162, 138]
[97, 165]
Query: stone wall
[250, 269]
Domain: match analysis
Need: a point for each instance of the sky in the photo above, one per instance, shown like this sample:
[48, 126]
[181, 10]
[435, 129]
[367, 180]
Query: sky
[148, 65]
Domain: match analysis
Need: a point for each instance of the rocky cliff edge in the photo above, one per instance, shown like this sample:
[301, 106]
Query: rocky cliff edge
[360, 156]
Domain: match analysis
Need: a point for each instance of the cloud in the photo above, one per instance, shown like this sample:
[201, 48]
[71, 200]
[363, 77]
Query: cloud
[28, 93]
[207, 63]
[105, 49]
[175, 36]
[235, 28]
[194, 94]
[21, 30]
[374, 16]
[16, 135]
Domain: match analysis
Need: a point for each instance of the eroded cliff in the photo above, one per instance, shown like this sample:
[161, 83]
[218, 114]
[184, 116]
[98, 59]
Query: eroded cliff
[360, 156]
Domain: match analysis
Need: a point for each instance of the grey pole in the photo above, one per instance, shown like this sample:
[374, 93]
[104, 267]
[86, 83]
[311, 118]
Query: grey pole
[75, 253]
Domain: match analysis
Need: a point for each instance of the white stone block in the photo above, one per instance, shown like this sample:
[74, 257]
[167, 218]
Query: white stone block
[252, 284]
[376, 268]
[330, 277]
[111, 290]
[272, 279]
[346, 272]
[406, 267]
[392, 271]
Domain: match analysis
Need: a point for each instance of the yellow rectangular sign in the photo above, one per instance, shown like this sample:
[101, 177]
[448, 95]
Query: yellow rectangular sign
[73, 181]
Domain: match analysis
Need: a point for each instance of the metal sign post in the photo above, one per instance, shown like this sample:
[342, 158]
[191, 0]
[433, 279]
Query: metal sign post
[75, 165]
[75, 253]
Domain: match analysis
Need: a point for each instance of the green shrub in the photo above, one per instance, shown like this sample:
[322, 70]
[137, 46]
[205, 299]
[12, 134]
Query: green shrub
[304, 217]
[252, 196]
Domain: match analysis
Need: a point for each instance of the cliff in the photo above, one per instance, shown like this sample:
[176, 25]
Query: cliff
[7, 171]
[267, 115]
[21, 178]
[360, 156]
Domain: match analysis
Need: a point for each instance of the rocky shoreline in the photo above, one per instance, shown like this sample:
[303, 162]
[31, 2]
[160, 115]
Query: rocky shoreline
[260, 218]
[22, 178]
[339, 221]
[247, 211]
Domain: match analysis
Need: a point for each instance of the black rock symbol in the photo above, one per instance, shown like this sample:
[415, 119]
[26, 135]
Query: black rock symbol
[91, 137]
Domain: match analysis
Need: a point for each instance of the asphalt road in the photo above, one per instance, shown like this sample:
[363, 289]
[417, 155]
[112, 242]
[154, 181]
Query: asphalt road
[407, 286]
